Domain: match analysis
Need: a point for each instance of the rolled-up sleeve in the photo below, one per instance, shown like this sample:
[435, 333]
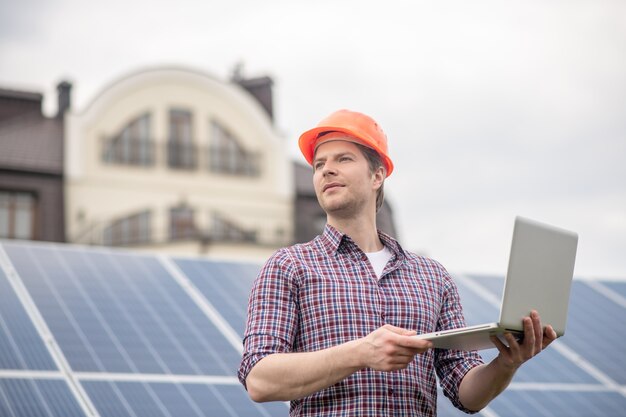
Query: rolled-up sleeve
[452, 365]
[272, 314]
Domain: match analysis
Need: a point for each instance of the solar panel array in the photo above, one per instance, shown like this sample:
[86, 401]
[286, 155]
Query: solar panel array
[99, 332]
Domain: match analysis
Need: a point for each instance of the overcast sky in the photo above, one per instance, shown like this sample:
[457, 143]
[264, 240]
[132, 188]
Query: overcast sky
[493, 109]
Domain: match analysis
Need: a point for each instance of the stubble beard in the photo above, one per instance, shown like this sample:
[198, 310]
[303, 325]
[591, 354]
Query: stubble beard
[346, 208]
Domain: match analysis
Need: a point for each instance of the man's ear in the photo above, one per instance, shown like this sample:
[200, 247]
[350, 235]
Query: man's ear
[379, 176]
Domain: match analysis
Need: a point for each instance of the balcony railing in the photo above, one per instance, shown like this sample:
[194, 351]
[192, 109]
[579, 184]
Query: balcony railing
[128, 152]
[181, 156]
[102, 233]
[228, 161]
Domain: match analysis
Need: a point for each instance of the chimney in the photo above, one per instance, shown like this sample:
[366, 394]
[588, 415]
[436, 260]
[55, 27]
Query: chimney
[260, 88]
[64, 88]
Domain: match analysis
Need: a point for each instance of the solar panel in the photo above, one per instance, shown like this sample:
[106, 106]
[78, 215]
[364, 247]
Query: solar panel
[618, 288]
[224, 284]
[116, 316]
[547, 403]
[553, 366]
[100, 332]
[20, 345]
[175, 400]
[37, 397]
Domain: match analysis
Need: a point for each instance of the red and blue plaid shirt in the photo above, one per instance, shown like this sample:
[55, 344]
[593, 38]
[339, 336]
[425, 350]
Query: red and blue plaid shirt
[323, 293]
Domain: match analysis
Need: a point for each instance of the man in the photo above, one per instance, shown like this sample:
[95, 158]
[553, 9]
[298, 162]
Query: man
[330, 322]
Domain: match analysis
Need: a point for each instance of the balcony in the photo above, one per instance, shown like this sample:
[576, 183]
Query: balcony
[136, 152]
[234, 162]
[181, 156]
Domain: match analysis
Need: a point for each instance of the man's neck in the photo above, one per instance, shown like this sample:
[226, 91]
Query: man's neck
[361, 230]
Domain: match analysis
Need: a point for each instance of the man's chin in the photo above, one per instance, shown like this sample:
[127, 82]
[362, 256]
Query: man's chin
[340, 211]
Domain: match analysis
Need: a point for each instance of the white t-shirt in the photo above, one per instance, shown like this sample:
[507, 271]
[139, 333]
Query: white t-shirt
[379, 260]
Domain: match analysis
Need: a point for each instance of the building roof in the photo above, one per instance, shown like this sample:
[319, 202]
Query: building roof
[32, 143]
[20, 95]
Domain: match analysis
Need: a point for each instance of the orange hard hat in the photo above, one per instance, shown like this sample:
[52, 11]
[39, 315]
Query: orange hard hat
[359, 127]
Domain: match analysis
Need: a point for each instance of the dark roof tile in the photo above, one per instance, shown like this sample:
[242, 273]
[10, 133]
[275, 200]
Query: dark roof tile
[32, 143]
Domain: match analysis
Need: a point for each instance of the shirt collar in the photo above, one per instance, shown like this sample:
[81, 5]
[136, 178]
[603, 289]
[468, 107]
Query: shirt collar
[333, 240]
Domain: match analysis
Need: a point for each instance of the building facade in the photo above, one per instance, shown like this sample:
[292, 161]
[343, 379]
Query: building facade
[175, 160]
[31, 166]
[165, 159]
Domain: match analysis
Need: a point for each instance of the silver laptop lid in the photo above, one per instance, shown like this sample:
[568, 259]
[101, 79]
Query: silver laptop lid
[539, 276]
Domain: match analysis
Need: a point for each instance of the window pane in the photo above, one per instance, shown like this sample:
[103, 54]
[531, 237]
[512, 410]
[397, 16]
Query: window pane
[16, 215]
[181, 223]
[130, 230]
[132, 145]
[227, 156]
[4, 214]
[227, 230]
[23, 225]
[181, 151]
[180, 126]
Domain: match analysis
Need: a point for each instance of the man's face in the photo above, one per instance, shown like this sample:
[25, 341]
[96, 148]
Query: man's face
[342, 179]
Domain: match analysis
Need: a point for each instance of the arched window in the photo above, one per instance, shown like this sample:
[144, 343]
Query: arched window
[132, 145]
[131, 230]
[225, 230]
[227, 156]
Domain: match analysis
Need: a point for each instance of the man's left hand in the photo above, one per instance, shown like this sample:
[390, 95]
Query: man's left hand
[535, 340]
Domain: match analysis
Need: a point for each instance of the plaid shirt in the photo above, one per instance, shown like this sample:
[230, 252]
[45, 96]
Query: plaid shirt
[323, 293]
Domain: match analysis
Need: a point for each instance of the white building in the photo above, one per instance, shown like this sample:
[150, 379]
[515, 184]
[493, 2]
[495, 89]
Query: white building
[173, 159]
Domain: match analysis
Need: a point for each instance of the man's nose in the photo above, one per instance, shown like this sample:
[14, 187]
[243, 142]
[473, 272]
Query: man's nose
[329, 169]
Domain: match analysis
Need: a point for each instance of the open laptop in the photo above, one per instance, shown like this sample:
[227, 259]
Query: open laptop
[539, 277]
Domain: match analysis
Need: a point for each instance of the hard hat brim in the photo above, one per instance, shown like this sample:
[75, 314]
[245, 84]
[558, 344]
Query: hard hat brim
[309, 139]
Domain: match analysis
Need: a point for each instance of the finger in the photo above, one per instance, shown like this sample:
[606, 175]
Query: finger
[407, 356]
[515, 349]
[399, 330]
[529, 333]
[538, 331]
[502, 348]
[411, 342]
[550, 336]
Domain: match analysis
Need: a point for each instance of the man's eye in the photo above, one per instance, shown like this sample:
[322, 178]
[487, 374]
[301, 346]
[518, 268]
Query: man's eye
[318, 165]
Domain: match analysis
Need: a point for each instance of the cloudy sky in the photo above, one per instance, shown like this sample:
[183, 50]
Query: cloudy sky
[493, 109]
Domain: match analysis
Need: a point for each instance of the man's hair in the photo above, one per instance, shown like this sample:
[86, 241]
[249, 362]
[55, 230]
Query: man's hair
[374, 161]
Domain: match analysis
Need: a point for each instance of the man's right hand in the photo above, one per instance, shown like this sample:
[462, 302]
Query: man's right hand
[289, 376]
[391, 348]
